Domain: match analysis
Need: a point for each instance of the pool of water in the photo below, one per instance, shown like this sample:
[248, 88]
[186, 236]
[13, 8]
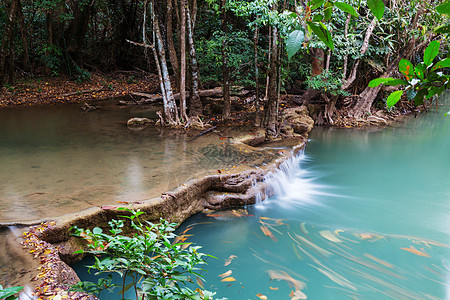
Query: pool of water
[59, 159]
[362, 214]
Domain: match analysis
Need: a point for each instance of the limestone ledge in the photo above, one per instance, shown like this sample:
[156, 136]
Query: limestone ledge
[213, 192]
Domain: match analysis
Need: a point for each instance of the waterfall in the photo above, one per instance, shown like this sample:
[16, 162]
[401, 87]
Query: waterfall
[292, 184]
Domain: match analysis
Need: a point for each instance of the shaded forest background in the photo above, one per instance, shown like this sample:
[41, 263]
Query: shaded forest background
[202, 44]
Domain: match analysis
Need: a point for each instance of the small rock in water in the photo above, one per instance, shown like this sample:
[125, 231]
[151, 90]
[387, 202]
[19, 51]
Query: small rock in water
[138, 123]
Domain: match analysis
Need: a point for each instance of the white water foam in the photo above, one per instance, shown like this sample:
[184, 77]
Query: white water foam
[292, 185]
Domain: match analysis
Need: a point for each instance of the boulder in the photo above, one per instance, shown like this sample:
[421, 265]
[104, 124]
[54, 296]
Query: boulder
[296, 120]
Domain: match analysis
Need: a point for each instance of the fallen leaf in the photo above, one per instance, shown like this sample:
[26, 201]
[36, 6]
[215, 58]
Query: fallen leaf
[227, 279]
[273, 288]
[261, 296]
[415, 251]
[229, 259]
[200, 283]
[226, 274]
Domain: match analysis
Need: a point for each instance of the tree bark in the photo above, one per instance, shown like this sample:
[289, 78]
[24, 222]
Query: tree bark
[170, 107]
[257, 101]
[183, 61]
[347, 83]
[369, 94]
[225, 71]
[344, 71]
[318, 57]
[195, 104]
[170, 44]
[8, 43]
[270, 109]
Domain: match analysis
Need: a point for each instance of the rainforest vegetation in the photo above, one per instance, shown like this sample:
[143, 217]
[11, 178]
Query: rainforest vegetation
[323, 52]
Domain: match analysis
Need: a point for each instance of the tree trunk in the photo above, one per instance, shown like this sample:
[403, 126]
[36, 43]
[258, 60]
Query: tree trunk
[183, 61]
[225, 72]
[369, 94]
[8, 41]
[170, 107]
[75, 34]
[347, 83]
[170, 44]
[27, 63]
[344, 71]
[318, 57]
[195, 104]
[257, 102]
[270, 109]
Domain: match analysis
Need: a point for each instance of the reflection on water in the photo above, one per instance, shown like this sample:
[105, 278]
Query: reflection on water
[59, 159]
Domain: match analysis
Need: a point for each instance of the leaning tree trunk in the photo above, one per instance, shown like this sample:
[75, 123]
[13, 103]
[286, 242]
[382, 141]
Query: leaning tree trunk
[369, 94]
[195, 104]
[270, 108]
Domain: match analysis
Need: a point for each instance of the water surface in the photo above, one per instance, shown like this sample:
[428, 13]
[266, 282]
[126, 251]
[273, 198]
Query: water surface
[363, 214]
[60, 159]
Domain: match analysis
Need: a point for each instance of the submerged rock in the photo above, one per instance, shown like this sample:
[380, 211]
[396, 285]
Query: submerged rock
[139, 123]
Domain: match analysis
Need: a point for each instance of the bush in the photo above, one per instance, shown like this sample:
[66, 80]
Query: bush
[156, 267]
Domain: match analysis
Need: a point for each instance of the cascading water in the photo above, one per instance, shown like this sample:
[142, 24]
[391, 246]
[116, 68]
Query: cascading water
[293, 184]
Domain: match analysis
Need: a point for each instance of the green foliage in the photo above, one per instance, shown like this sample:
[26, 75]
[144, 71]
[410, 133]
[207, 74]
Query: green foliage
[9, 293]
[294, 42]
[51, 56]
[346, 8]
[322, 33]
[326, 82]
[424, 80]
[157, 266]
[377, 7]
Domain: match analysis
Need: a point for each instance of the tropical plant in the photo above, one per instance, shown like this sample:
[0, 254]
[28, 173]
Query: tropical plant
[424, 80]
[153, 262]
[9, 293]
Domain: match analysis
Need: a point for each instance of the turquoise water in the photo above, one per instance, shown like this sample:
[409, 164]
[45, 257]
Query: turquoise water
[363, 214]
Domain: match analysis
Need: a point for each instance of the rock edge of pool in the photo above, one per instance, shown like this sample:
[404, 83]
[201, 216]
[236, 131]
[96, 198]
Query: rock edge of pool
[50, 246]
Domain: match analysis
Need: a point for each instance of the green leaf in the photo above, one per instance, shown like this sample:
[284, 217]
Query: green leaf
[431, 52]
[396, 82]
[442, 29]
[317, 18]
[97, 230]
[5, 293]
[346, 8]
[393, 98]
[387, 81]
[418, 99]
[420, 70]
[406, 68]
[316, 4]
[444, 8]
[328, 10]
[322, 33]
[294, 42]
[377, 8]
[445, 63]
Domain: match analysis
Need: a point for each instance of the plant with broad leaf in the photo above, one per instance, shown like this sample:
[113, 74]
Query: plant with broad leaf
[149, 261]
[317, 14]
[424, 80]
[10, 293]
